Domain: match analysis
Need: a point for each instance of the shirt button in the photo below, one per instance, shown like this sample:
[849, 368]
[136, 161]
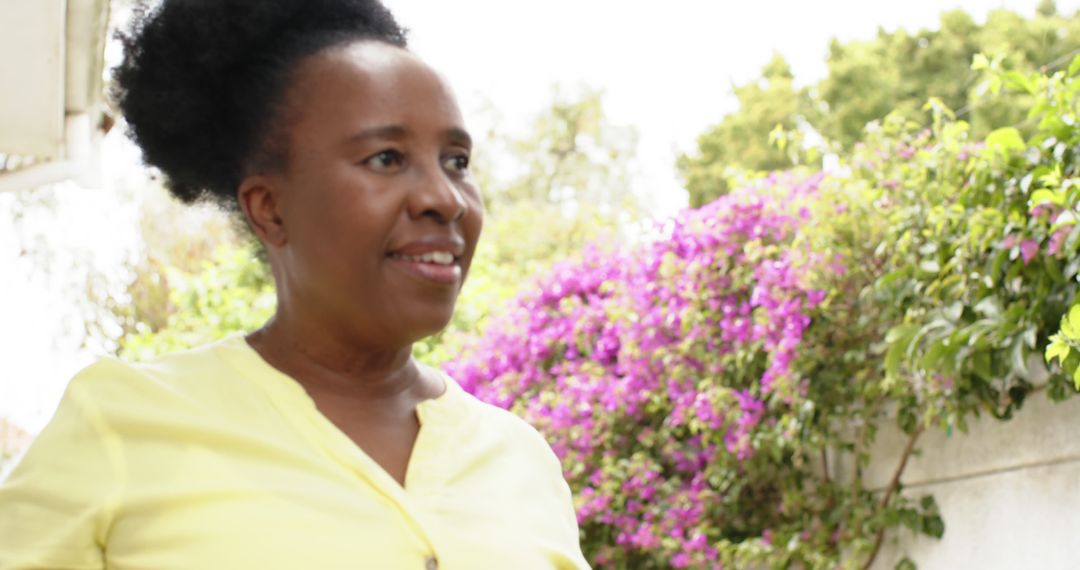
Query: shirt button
[431, 563]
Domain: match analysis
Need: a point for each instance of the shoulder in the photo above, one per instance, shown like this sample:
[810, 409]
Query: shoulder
[112, 400]
[169, 368]
[506, 422]
[187, 377]
[522, 469]
[487, 425]
[59, 499]
[55, 501]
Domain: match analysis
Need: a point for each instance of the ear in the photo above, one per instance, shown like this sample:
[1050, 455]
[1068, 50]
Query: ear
[260, 199]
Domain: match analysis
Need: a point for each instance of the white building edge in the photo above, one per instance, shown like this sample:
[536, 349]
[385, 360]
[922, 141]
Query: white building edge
[52, 107]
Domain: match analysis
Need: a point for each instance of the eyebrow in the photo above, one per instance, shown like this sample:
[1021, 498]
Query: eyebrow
[454, 134]
[459, 136]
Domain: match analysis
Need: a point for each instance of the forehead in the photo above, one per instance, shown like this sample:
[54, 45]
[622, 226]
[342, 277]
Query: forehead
[366, 84]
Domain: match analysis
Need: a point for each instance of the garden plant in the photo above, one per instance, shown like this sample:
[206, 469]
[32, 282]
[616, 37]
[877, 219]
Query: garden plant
[699, 389]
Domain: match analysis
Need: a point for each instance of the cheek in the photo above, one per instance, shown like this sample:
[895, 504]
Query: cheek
[336, 203]
[325, 226]
[476, 207]
[320, 225]
[473, 224]
[472, 227]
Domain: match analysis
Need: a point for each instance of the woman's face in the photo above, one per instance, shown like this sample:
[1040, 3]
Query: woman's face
[379, 215]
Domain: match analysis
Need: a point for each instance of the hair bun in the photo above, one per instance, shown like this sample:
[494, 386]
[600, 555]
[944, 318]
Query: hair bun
[201, 80]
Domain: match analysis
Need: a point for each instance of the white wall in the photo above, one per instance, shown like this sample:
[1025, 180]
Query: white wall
[1009, 491]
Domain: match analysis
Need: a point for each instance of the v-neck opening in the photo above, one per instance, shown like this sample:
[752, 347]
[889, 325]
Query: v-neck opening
[300, 409]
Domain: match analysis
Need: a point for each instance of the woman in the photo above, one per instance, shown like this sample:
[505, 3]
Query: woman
[316, 441]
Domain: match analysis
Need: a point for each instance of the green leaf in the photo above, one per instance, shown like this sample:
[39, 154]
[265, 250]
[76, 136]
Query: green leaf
[998, 264]
[899, 338]
[934, 526]
[899, 332]
[1040, 108]
[1058, 349]
[1018, 80]
[937, 352]
[1006, 140]
[1074, 67]
[1071, 362]
[1070, 325]
[893, 277]
[892, 360]
[906, 563]
[980, 364]
[1053, 269]
[1045, 196]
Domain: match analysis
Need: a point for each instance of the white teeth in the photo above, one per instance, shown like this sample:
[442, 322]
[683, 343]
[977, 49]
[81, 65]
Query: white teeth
[437, 257]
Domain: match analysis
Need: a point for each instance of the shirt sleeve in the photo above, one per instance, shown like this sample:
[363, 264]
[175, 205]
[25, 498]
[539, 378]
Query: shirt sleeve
[54, 505]
[569, 542]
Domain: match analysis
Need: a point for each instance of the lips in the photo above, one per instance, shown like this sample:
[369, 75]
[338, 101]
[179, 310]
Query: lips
[436, 257]
[431, 260]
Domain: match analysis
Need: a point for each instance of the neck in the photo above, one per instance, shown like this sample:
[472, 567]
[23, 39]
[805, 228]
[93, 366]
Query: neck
[321, 359]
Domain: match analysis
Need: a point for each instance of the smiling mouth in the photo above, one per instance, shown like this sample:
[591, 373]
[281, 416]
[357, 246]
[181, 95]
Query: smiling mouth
[443, 258]
[440, 268]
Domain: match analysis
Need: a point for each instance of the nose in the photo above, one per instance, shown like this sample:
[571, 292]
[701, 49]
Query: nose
[436, 195]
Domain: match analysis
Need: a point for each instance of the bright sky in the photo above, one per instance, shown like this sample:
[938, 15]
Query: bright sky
[665, 68]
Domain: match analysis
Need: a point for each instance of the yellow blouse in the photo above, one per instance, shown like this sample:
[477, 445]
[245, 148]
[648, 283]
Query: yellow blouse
[214, 459]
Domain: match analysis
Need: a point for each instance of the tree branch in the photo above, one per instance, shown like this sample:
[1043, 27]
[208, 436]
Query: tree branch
[825, 466]
[894, 485]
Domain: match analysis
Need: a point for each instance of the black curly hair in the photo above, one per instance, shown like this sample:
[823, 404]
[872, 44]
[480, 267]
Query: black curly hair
[202, 82]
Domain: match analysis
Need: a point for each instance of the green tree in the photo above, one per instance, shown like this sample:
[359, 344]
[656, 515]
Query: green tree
[899, 71]
[1047, 9]
[742, 139]
[861, 83]
[572, 155]
[895, 71]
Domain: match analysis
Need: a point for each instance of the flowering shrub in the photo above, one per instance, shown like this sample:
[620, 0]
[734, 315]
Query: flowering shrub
[977, 256]
[1055, 200]
[696, 389]
[669, 381]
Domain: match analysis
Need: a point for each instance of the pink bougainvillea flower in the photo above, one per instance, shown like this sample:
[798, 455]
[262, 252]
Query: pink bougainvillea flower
[767, 536]
[657, 368]
[1057, 241]
[1029, 248]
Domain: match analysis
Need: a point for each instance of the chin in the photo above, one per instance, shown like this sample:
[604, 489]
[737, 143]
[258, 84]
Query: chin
[428, 324]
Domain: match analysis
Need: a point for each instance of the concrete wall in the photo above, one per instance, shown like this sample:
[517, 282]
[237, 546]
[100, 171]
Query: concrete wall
[1009, 491]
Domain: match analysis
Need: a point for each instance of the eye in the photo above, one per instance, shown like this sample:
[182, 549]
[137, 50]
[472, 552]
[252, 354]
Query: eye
[385, 160]
[456, 163]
